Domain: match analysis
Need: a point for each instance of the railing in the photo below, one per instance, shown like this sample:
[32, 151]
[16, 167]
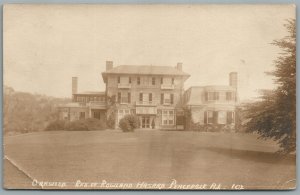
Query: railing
[145, 103]
[167, 86]
[124, 85]
[97, 103]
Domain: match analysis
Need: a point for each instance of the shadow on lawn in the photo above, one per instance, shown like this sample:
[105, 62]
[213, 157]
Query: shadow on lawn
[255, 156]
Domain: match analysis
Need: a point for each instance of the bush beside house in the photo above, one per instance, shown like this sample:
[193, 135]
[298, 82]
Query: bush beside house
[129, 122]
[89, 124]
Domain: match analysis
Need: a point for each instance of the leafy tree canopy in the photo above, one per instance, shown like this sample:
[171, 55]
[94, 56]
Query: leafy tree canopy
[274, 116]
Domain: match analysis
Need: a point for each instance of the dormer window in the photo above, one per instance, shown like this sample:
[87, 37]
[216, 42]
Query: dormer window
[211, 96]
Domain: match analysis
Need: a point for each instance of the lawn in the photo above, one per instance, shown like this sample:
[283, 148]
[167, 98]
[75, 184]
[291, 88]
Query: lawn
[147, 159]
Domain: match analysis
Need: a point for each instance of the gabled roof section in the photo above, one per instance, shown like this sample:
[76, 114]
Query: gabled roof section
[145, 70]
[195, 96]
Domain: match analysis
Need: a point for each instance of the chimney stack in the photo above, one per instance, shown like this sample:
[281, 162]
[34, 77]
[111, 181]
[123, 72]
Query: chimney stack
[233, 79]
[179, 66]
[74, 85]
[109, 65]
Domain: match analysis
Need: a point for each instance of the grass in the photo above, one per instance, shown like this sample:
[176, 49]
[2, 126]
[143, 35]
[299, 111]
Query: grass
[146, 156]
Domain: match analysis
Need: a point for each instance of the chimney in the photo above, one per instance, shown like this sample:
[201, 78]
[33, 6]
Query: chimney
[233, 79]
[179, 66]
[109, 65]
[74, 85]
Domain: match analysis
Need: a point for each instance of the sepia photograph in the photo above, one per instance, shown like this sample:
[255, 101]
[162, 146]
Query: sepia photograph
[149, 97]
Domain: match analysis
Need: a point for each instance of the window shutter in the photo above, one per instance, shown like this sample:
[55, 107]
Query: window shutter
[162, 99]
[172, 98]
[138, 80]
[205, 117]
[119, 97]
[141, 97]
[229, 117]
[129, 97]
[215, 117]
[153, 80]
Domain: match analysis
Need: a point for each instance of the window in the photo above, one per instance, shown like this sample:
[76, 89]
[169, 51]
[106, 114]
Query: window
[119, 79]
[153, 80]
[222, 117]
[124, 98]
[161, 80]
[82, 115]
[210, 117]
[130, 80]
[172, 81]
[162, 98]
[167, 98]
[168, 117]
[97, 115]
[230, 117]
[138, 80]
[230, 96]
[211, 96]
[150, 97]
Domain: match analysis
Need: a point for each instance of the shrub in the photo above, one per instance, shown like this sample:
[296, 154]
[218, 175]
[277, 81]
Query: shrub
[129, 122]
[89, 124]
[56, 125]
[94, 124]
[79, 125]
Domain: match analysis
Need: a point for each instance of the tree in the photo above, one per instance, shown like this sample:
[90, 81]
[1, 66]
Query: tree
[274, 116]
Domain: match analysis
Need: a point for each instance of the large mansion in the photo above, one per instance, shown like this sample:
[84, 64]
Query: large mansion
[156, 95]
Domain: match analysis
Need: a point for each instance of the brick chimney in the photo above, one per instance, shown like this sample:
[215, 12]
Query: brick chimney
[233, 79]
[179, 66]
[74, 85]
[109, 65]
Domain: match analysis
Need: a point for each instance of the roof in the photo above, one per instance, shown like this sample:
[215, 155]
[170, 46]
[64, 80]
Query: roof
[195, 96]
[195, 93]
[145, 70]
[90, 93]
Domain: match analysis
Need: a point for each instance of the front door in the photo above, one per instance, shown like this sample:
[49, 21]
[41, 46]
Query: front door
[145, 122]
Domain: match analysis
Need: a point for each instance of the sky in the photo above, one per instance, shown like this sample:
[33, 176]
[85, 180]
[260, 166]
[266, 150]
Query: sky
[45, 45]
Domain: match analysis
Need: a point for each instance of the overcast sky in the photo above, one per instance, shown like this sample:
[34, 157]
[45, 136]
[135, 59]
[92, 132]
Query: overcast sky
[44, 46]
